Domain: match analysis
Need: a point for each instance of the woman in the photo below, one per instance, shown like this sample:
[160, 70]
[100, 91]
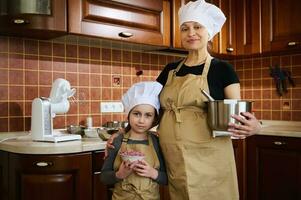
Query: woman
[199, 166]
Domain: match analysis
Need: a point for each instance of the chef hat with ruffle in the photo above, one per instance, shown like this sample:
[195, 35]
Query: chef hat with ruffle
[204, 13]
[142, 93]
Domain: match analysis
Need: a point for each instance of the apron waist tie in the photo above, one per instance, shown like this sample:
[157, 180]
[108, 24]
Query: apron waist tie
[177, 110]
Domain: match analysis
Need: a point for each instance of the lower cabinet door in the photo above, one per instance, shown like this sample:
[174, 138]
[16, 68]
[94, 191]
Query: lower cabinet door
[239, 146]
[164, 194]
[4, 175]
[53, 177]
[100, 191]
[274, 168]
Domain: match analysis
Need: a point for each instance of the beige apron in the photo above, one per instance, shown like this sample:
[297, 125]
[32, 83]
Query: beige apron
[136, 187]
[199, 166]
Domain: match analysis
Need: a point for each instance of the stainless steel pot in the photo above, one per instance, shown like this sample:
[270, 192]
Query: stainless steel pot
[220, 111]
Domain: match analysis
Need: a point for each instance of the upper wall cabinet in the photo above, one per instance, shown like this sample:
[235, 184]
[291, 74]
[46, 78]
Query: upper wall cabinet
[225, 41]
[41, 19]
[281, 29]
[267, 26]
[248, 27]
[222, 43]
[176, 38]
[140, 21]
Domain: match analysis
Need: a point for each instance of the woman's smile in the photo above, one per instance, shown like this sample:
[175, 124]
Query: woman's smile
[193, 40]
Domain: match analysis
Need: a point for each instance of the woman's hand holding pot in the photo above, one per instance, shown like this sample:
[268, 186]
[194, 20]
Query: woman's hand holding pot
[248, 125]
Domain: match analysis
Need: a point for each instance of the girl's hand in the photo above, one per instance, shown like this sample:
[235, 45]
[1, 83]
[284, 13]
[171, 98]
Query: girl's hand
[142, 168]
[110, 143]
[125, 169]
[248, 126]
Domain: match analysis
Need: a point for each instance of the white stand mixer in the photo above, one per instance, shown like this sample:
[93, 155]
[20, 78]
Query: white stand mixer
[45, 109]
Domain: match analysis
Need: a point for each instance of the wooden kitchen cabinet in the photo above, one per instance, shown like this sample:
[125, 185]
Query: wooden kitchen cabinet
[32, 19]
[142, 21]
[4, 175]
[225, 41]
[267, 26]
[64, 176]
[164, 193]
[254, 27]
[50, 176]
[239, 147]
[281, 29]
[176, 38]
[100, 191]
[248, 27]
[274, 168]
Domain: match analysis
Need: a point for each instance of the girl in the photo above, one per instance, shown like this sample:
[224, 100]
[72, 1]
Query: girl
[138, 179]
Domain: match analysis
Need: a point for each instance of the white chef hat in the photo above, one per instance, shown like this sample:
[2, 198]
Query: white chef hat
[142, 93]
[208, 15]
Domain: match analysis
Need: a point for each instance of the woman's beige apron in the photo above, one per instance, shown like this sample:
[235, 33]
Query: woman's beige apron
[136, 187]
[199, 166]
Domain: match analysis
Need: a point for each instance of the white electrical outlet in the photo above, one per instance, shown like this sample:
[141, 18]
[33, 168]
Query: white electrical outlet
[106, 107]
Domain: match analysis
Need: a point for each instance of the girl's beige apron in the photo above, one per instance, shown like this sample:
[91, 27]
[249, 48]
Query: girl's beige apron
[199, 166]
[135, 187]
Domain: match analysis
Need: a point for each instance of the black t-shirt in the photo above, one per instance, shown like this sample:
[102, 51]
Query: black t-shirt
[220, 75]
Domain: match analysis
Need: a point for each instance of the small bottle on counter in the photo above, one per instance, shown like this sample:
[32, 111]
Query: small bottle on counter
[89, 122]
[90, 131]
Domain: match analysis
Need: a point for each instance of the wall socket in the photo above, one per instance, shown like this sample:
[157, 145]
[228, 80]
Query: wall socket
[107, 107]
[286, 104]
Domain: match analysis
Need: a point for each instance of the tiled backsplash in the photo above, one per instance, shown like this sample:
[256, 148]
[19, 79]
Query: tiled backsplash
[259, 86]
[28, 68]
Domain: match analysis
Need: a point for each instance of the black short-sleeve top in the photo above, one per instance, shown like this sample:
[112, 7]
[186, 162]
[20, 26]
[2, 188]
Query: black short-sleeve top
[220, 75]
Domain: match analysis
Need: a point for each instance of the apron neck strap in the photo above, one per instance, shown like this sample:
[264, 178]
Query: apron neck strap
[124, 141]
[126, 138]
[206, 66]
[179, 65]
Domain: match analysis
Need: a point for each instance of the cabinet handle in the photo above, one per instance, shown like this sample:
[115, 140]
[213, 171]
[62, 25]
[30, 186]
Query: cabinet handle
[95, 173]
[229, 49]
[43, 164]
[20, 21]
[291, 44]
[125, 34]
[279, 143]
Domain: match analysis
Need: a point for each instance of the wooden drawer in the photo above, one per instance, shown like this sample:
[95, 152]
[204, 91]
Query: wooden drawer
[44, 177]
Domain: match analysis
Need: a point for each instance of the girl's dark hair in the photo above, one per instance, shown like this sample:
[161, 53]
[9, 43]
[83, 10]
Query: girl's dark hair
[155, 122]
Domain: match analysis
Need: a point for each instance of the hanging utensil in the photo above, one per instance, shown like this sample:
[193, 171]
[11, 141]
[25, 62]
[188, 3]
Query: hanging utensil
[288, 75]
[275, 72]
